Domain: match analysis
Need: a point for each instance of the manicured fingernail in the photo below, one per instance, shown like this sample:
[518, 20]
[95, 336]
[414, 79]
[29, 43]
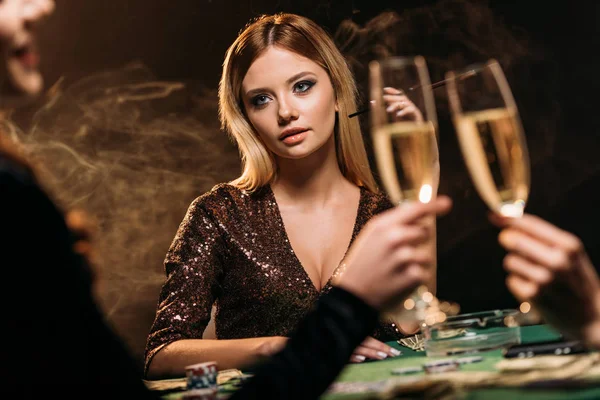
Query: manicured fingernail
[360, 358]
[395, 352]
[382, 354]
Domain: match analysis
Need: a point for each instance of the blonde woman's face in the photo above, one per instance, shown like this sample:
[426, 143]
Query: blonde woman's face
[290, 101]
[19, 68]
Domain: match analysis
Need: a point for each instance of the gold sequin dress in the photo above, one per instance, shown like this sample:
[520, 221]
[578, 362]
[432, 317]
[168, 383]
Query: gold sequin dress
[232, 248]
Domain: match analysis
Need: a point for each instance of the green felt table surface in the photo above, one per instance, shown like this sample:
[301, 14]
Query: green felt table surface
[381, 370]
[377, 370]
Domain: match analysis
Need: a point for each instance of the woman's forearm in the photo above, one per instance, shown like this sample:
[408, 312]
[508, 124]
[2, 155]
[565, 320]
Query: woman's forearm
[317, 351]
[172, 359]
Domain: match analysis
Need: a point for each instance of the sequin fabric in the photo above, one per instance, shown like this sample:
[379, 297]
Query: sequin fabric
[232, 248]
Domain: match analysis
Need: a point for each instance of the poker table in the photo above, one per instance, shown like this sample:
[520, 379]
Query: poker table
[376, 371]
[356, 379]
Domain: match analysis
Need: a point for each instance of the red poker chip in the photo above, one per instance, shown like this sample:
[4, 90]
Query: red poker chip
[209, 367]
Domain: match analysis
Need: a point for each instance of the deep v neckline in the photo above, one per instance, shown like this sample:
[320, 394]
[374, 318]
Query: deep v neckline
[297, 261]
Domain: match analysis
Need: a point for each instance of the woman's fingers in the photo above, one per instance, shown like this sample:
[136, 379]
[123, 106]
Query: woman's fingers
[410, 111]
[373, 349]
[391, 90]
[407, 255]
[370, 353]
[539, 252]
[528, 270]
[409, 235]
[395, 108]
[379, 346]
[398, 104]
[394, 99]
[521, 288]
[413, 212]
[540, 229]
[357, 358]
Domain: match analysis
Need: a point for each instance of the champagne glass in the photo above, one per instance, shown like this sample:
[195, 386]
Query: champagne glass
[492, 142]
[491, 136]
[403, 129]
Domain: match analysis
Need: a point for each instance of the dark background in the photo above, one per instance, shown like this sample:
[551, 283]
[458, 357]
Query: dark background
[549, 53]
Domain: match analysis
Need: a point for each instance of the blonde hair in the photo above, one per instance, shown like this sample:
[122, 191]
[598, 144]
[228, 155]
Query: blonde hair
[304, 37]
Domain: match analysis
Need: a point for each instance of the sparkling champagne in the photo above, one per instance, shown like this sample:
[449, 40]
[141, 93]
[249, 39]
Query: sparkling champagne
[407, 157]
[491, 143]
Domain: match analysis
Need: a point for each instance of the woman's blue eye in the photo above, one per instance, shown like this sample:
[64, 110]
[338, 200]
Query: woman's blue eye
[303, 86]
[260, 100]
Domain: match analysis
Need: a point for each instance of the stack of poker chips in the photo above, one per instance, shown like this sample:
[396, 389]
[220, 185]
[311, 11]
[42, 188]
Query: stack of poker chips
[201, 381]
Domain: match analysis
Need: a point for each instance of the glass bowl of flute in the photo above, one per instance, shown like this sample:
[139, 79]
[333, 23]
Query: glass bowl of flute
[491, 136]
[472, 333]
[421, 310]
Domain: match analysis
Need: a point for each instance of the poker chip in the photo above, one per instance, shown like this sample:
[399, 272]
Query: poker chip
[209, 367]
[202, 376]
[406, 370]
[469, 360]
[438, 366]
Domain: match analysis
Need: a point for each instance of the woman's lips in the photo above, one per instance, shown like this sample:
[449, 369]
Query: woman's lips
[27, 56]
[295, 138]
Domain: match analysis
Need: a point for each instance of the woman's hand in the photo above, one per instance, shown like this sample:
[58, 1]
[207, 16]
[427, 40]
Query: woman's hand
[399, 106]
[388, 260]
[550, 268]
[374, 349]
[84, 229]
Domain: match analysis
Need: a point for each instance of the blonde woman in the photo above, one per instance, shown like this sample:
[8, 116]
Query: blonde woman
[266, 246]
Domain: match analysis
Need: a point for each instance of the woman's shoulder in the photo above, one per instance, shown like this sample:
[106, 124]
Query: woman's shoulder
[225, 196]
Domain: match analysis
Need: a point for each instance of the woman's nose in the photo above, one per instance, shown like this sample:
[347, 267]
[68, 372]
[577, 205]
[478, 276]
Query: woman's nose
[287, 112]
[35, 10]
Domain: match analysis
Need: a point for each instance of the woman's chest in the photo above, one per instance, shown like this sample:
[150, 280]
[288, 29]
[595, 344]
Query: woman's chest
[261, 266]
[319, 240]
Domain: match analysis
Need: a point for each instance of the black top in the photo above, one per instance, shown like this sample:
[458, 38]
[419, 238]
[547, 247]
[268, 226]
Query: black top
[56, 340]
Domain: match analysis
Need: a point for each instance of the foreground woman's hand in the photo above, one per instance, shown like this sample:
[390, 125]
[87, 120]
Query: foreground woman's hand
[550, 268]
[388, 260]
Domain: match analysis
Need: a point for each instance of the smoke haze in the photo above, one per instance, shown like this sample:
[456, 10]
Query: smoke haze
[133, 152]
